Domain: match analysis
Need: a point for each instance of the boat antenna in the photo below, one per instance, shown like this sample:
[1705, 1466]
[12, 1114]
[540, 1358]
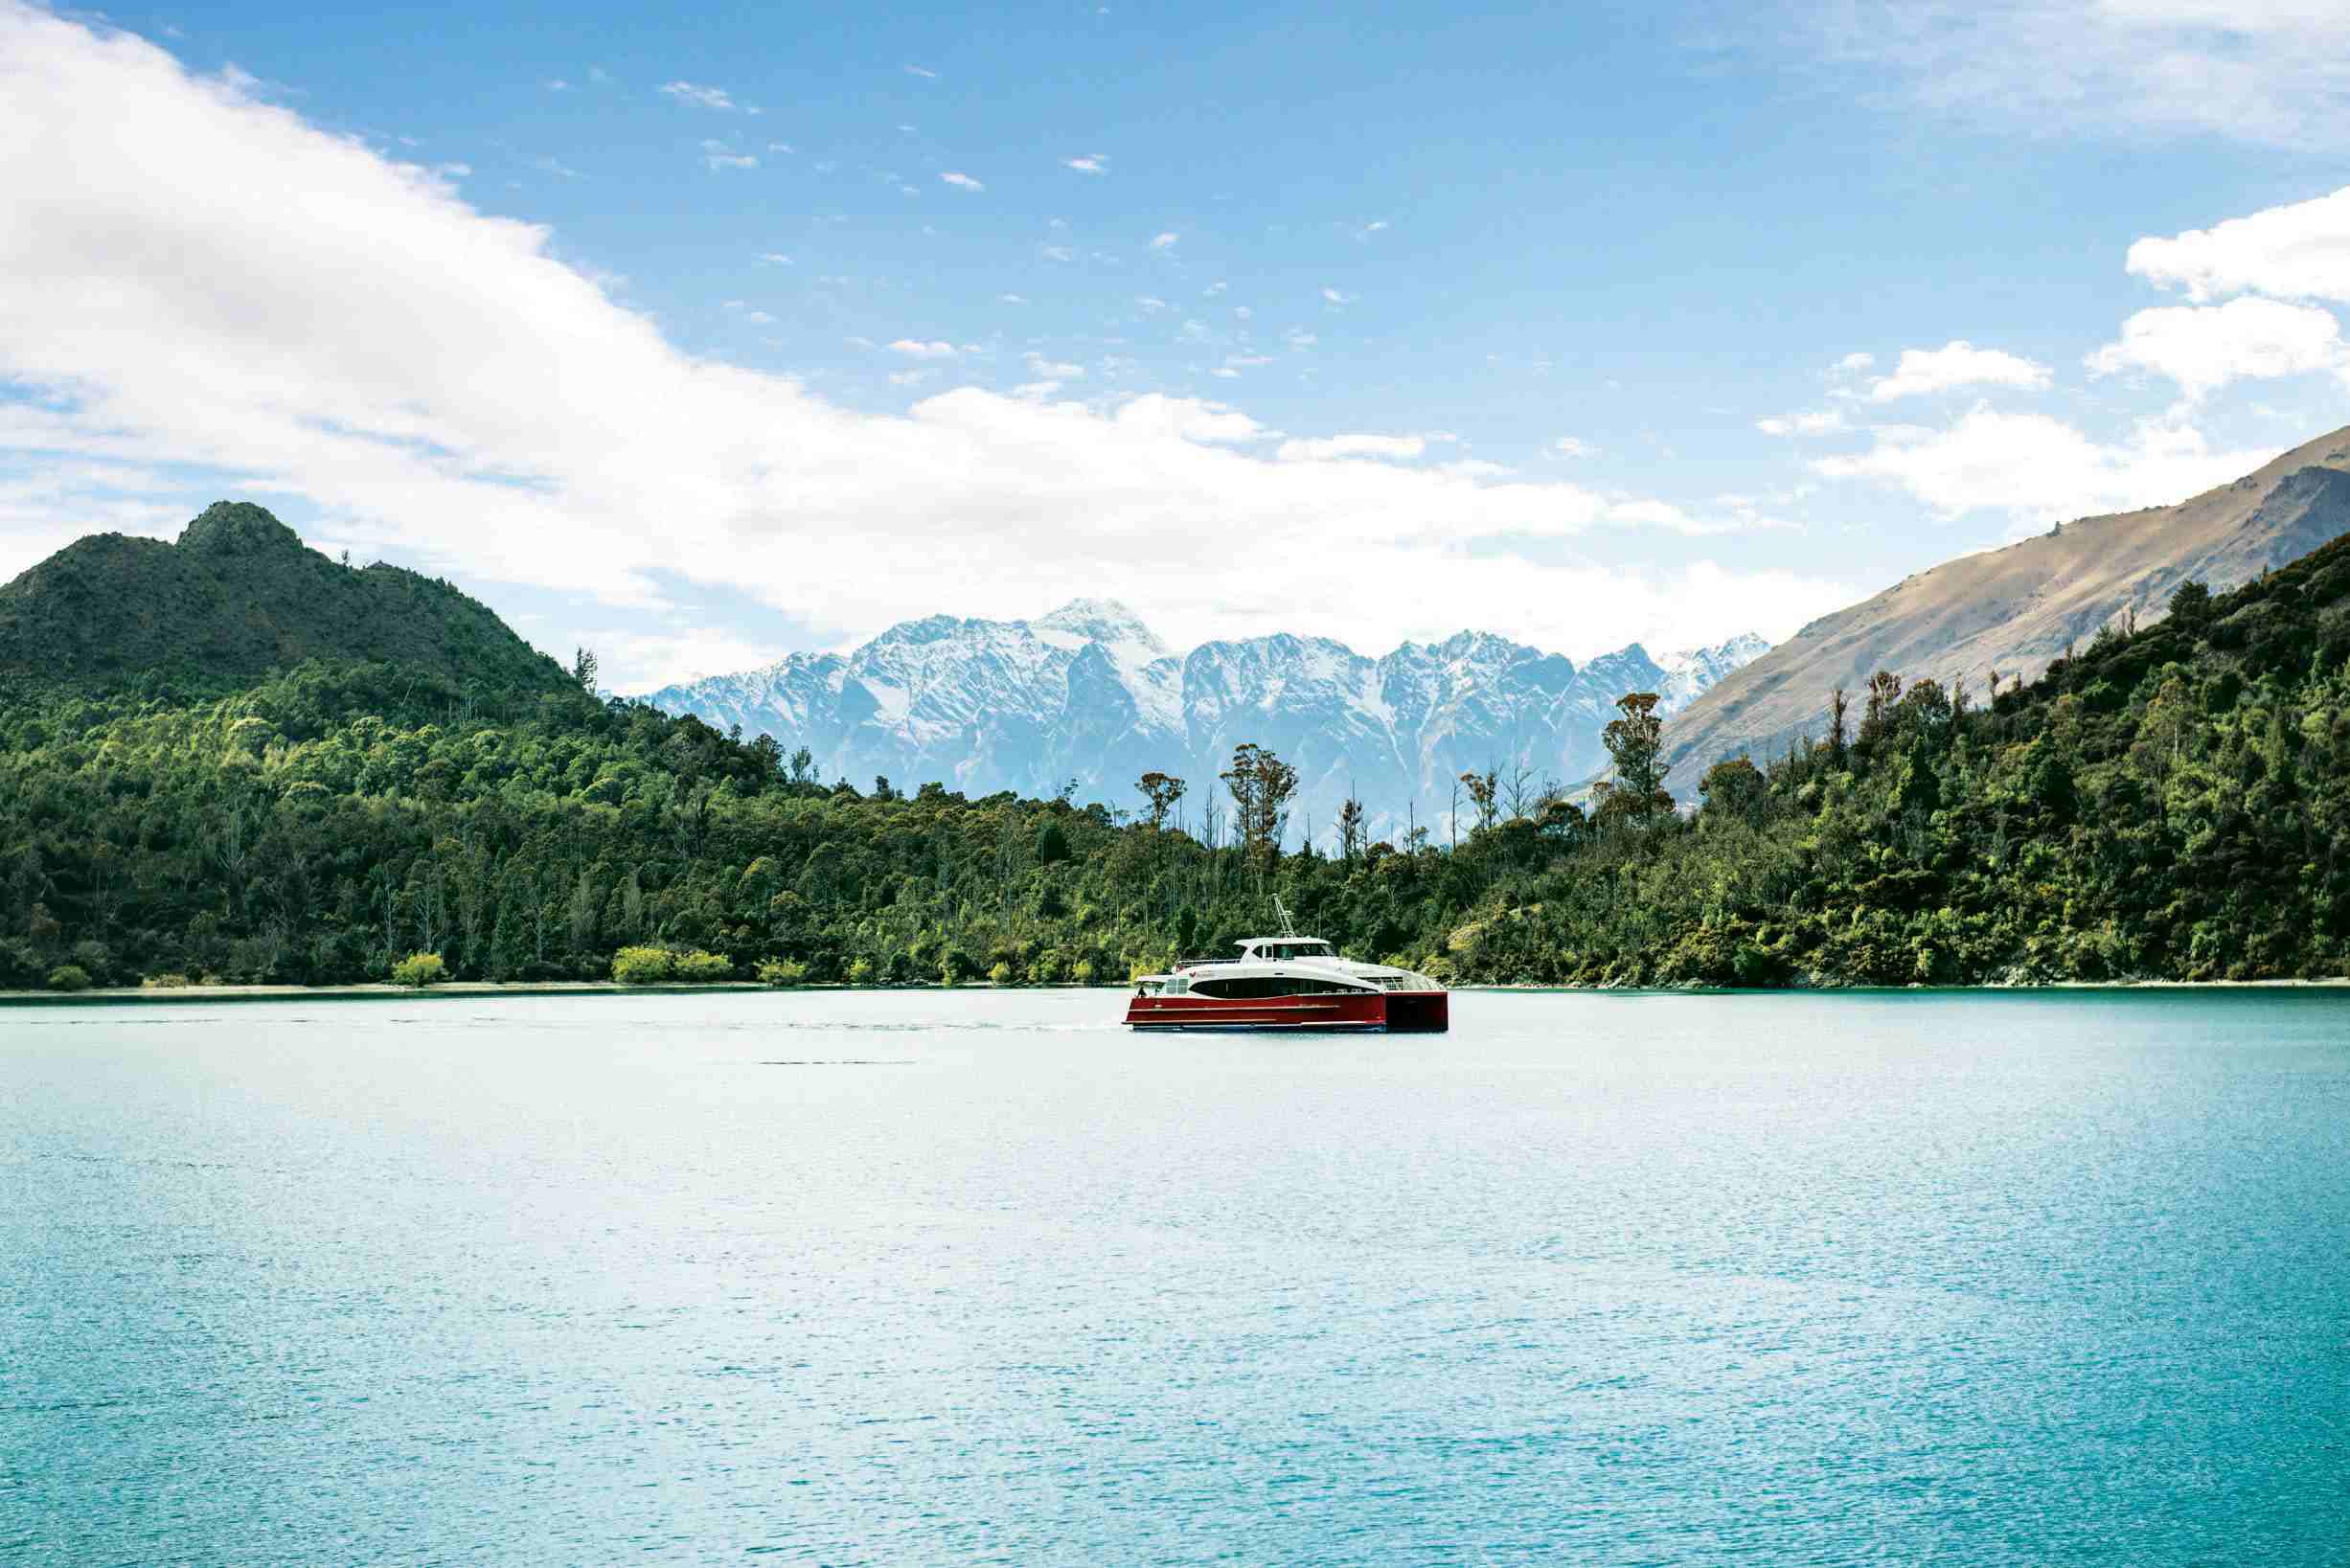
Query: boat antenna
[1289, 926]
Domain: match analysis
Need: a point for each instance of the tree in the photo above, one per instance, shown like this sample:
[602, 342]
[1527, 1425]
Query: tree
[2190, 605]
[1885, 690]
[1052, 843]
[584, 669]
[1484, 791]
[1350, 830]
[1160, 792]
[1733, 788]
[1261, 784]
[1838, 706]
[1635, 741]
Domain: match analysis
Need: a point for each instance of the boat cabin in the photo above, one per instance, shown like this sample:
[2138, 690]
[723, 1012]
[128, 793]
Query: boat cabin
[1283, 949]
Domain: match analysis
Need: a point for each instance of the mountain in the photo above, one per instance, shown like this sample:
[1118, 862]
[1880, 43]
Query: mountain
[1089, 693]
[238, 595]
[2015, 610]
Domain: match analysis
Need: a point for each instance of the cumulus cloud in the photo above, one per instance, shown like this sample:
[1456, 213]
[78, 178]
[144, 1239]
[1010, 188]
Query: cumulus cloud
[2204, 348]
[701, 97]
[1164, 241]
[1572, 446]
[1092, 163]
[2300, 251]
[403, 371]
[1336, 298]
[916, 348]
[1957, 364]
[961, 181]
[2041, 468]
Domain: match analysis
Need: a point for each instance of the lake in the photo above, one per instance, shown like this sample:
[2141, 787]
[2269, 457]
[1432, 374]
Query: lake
[970, 1276]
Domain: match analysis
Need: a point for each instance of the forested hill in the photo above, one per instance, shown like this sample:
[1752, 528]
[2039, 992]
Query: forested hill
[2173, 803]
[237, 597]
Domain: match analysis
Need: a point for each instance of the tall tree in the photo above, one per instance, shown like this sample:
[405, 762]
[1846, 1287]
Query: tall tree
[584, 669]
[1160, 792]
[1261, 784]
[1636, 741]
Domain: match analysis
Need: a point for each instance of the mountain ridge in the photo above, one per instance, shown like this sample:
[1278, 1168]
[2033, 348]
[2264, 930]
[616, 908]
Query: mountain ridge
[235, 596]
[2014, 608]
[1088, 691]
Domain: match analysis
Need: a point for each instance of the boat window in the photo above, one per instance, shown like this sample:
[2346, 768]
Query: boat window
[1178, 985]
[1256, 986]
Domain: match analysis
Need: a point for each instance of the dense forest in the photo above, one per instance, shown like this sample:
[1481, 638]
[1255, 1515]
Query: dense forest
[2172, 801]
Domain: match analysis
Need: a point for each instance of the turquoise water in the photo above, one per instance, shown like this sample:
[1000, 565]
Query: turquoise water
[971, 1278]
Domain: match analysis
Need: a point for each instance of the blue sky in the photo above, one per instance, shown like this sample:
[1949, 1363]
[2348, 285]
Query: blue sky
[1577, 323]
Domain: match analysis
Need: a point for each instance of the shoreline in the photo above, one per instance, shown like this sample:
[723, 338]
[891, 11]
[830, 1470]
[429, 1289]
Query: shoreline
[477, 990]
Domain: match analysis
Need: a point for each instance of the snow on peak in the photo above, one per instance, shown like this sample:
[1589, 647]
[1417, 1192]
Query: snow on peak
[1103, 621]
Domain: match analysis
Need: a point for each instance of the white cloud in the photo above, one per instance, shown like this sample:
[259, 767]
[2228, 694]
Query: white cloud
[556, 84]
[1958, 363]
[1093, 163]
[422, 380]
[779, 146]
[2300, 251]
[1326, 449]
[1226, 372]
[775, 257]
[2267, 72]
[717, 155]
[1149, 302]
[916, 348]
[961, 181]
[701, 97]
[1164, 241]
[1057, 253]
[1298, 340]
[1571, 447]
[1012, 299]
[918, 71]
[1052, 370]
[2202, 348]
[2038, 468]
[1823, 422]
[1336, 298]
[910, 377]
[1856, 362]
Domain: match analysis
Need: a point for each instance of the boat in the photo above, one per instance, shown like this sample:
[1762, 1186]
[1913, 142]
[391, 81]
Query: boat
[1289, 983]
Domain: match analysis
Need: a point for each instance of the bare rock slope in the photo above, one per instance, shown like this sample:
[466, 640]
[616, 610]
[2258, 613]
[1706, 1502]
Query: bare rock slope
[2014, 610]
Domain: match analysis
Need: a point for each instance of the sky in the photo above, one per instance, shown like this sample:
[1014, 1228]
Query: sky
[701, 342]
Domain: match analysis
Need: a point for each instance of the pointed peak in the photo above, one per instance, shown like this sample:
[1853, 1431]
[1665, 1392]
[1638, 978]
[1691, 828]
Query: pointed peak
[1099, 621]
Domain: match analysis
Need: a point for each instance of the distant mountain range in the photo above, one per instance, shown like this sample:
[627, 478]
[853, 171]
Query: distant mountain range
[1091, 693]
[2014, 610]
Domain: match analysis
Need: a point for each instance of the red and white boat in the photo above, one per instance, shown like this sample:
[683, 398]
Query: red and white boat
[1296, 983]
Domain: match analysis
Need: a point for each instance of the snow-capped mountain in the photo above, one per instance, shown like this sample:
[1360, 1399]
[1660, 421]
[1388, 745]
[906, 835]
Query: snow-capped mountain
[1089, 693]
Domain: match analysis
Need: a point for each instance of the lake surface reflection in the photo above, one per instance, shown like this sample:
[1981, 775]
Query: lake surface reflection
[927, 1277]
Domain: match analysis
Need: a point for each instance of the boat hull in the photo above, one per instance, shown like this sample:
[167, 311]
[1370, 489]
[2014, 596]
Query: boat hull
[1394, 1012]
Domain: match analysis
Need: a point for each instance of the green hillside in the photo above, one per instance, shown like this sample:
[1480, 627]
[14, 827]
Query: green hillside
[2170, 804]
[238, 596]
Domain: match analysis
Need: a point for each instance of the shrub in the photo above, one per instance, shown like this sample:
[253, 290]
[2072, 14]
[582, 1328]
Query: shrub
[782, 971]
[68, 977]
[418, 971]
[1001, 975]
[696, 965]
[165, 982]
[860, 972]
[1081, 971]
[643, 966]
